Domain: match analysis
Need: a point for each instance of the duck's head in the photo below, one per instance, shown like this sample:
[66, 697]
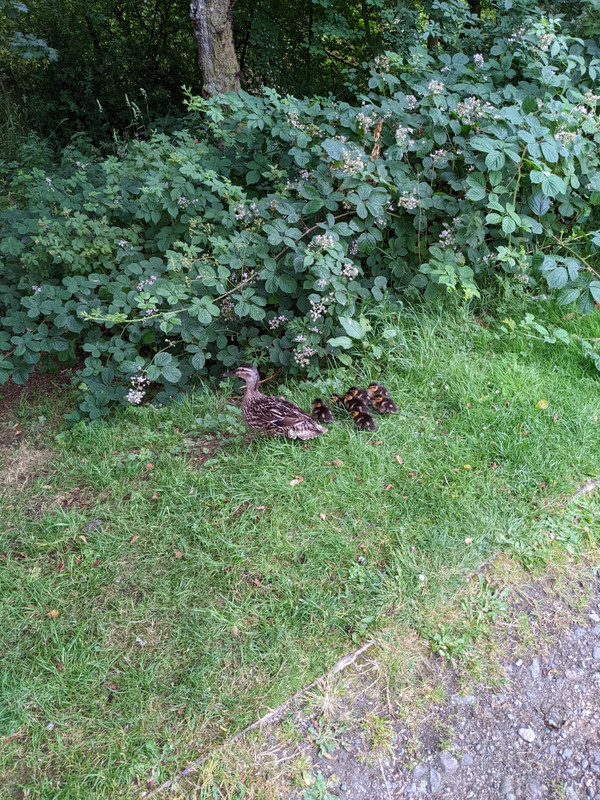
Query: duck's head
[247, 372]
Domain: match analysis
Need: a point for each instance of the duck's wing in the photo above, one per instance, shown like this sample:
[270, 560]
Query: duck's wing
[285, 418]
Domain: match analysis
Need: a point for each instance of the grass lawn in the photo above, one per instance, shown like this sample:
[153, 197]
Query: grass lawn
[161, 587]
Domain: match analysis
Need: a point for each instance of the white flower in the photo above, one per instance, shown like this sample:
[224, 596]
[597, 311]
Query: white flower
[478, 60]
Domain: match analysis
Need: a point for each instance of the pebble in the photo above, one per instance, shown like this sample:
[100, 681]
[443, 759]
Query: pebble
[511, 796]
[449, 763]
[94, 525]
[594, 617]
[506, 784]
[596, 652]
[535, 669]
[435, 779]
[579, 632]
[467, 700]
[466, 760]
[419, 772]
[527, 734]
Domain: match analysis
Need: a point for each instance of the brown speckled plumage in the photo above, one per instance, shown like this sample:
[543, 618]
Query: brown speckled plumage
[270, 414]
[320, 411]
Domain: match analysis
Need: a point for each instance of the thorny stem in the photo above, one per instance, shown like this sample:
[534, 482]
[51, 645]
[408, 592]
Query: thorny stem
[588, 266]
[310, 230]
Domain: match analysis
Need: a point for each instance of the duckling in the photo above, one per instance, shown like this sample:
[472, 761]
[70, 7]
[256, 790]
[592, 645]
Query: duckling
[355, 391]
[321, 412]
[384, 404]
[338, 400]
[364, 421]
[377, 389]
[355, 404]
[273, 415]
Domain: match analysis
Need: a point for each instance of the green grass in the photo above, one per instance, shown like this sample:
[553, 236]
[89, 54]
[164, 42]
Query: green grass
[220, 608]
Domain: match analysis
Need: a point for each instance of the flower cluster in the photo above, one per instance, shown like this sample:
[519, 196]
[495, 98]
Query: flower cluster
[318, 308]
[472, 109]
[517, 35]
[146, 282]
[412, 102]
[478, 60]
[546, 40]
[137, 391]
[227, 306]
[277, 321]
[382, 64]
[403, 136]
[302, 357]
[435, 87]
[439, 155]
[408, 201]
[446, 236]
[322, 241]
[36, 288]
[364, 122]
[352, 162]
[247, 213]
[349, 270]
[183, 202]
[566, 137]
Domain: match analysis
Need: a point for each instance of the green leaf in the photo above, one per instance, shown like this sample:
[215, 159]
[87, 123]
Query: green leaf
[557, 278]
[595, 290]
[335, 149]
[539, 204]
[287, 283]
[171, 374]
[352, 327]
[162, 359]
[508, 225]
[552, 185]
[495, 160]
[340, 341]
[550, 151]
[529, 104]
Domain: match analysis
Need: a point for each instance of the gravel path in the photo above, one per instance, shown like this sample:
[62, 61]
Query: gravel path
[537, 738]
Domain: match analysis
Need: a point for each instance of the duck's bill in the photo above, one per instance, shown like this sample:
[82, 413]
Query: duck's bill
[230, 374]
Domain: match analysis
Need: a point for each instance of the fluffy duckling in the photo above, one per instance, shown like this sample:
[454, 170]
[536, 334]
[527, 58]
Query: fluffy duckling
[355, 404]
[364, 421]
[375, 389]
[355, 391]
[338, 400]
[320, 412]
[384, 405]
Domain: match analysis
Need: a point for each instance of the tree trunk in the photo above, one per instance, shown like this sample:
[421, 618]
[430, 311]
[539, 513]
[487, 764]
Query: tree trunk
[213, 26]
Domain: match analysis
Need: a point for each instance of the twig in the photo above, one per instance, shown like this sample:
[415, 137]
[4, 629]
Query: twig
[266, 380]
[339, 666]
[310, 230]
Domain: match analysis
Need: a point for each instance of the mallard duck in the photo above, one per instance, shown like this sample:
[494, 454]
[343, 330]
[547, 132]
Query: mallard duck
[356, 391]
[384, 405]
[273, 414]
[364, 421]
[321, 412]
[377, 389]
[355, 404]
[338, 400]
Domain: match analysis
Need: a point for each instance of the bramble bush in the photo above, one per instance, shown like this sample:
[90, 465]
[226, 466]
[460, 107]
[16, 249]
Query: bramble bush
[266, 229]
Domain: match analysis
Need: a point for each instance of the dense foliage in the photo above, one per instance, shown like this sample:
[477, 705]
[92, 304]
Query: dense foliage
[268, 227]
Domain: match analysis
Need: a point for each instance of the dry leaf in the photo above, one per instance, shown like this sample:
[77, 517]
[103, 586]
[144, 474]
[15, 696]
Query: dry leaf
[468, 540]
[399, 459]
[60, 566]
[96, 563]
[389, 486]
[82, 537]
[54, 614]
[555, 418]
[155, 496]
[335, 463]
[322, 516]
[260, 508]
[149, 466]
[133, 539]
[543, 404]
[411, 473]
[178, 554]
[296, 480]
[467, 466]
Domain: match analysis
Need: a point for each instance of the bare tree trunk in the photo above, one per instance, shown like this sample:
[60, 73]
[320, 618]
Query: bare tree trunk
[213, 25]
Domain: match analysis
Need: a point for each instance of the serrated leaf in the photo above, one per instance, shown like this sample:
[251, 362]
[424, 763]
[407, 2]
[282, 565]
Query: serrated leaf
[495, 160]
[171, 374]
[552, 185]
[539, 204]
[557, 278]
[508, 225]
[595, 290]
[549, 151]
[335, 149]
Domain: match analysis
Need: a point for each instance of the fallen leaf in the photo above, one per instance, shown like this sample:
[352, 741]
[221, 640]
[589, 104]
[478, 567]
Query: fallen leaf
[60, 566]
[399, 459]
[260, 508]
[59, 666]
[149, 466]
[389, 486]
[467, 466]
[468, 540]
[46, 486]
[178, 554]
[494, 465]
[133, 539]
[296, 480]
[54, 614]
[358, 480]
[543, 404]
[82, 537]
[96, 563]
[322, 516]
[335, 463]
[411, 473]
[555, 418]
[155, 496]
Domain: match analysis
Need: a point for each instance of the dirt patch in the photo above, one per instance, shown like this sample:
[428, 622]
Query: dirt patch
[22, 464]
[203, 448]
[39, 384]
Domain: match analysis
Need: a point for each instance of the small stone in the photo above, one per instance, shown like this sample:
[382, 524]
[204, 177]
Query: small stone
[578, 632]
[466, 760]
[527, 734]
[94, 525]
[467, 700]
[535, 669]
[435, 780]
[584, 763]
[449, 763]
[343, 787]
[567, 752]
[511, 796]
[594, 617]
[596, 652]
[506, 784]
[419, 772]
[519, 663]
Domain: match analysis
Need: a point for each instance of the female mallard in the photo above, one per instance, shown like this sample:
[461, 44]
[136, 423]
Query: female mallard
[273, 414]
